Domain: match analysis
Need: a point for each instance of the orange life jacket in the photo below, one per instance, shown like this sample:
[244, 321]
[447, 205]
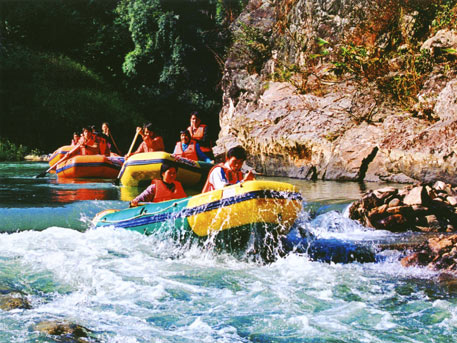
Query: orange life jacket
[231, 176]
[198, 133]
[190, 153]
[86, 146]
[163, 193]
[151, 145]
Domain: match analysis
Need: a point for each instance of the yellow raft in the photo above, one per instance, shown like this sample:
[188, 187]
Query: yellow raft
[140, 169]
[231, 214]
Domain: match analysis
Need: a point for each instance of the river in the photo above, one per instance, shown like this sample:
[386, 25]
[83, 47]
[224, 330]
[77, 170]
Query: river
[126, 287]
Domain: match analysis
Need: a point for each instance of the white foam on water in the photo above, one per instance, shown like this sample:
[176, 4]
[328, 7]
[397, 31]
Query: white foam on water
[128, 287]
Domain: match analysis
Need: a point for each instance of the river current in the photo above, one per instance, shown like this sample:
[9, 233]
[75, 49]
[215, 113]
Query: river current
[126, 287]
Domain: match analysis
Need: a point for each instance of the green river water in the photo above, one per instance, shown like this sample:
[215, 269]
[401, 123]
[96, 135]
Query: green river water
[127, 287]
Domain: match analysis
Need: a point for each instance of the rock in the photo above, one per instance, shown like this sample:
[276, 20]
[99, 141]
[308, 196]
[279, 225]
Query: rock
[63, 328]
[442, 40]
[438, 253]
[14, 300]
[416, 196]
[394, 223]
[394, 202]
[452, 200]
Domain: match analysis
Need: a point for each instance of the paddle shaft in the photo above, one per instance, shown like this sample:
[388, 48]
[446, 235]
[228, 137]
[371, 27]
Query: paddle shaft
[116, 182]
[114, 143]
[68, 155]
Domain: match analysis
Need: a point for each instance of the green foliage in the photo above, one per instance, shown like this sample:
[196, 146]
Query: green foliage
[45, 98]
[446, 15]
[11, 152]
[252, 46]
[64, 63]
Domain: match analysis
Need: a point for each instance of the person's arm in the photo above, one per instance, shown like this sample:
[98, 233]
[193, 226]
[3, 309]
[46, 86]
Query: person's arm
[201, 155]
[146, 196]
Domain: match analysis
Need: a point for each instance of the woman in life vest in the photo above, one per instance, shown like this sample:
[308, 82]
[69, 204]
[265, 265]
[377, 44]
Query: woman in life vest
[167, 188]
[199, 133]
[76, 138]
[228, 173]
[150, 143]
[189, 149]
[106, 132]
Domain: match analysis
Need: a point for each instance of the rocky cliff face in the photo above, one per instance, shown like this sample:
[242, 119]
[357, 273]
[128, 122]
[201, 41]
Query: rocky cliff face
[333, 90]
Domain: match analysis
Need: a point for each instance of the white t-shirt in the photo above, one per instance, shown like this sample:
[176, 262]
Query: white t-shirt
[217, 177]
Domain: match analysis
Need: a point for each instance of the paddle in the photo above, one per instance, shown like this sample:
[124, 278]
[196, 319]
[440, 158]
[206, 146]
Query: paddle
[114, 143]
[117, 181]
[68, 155]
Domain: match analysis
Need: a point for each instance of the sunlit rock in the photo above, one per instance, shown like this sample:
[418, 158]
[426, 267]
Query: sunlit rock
[72, 332]
[14, 300]
[420, 208]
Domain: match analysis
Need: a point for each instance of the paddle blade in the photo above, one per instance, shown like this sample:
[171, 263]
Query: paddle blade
[43, 174]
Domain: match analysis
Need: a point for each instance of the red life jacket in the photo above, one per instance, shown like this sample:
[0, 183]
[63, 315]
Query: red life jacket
[197, 135]
[231, 176]
[103, 146]
[163, 193]
[190, 153]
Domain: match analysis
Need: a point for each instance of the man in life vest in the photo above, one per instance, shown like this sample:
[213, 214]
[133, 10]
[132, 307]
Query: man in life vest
[228, 173]
[150, 143]
[189, 149]
[199, 133]
[88, 143]
[166, 188]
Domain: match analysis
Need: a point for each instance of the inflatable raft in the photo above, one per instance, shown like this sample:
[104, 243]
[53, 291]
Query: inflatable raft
[140, 169]
[90, 166]
[231, 215]
[60, 153]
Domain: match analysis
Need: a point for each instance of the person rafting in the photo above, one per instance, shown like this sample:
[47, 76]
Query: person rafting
[76, 138]
[166, 188]
[109, 138]
[188, 148]
[151, 142]
[199, 133]
[88, 143]
[228, 173]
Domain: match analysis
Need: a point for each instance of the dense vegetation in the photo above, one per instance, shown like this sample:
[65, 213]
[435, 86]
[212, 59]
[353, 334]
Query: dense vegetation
[64, 64]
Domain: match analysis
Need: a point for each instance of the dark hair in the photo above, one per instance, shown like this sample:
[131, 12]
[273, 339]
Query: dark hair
[194, 113]
[238, 152]
[165, 166]
[106, 123]
[186, 132]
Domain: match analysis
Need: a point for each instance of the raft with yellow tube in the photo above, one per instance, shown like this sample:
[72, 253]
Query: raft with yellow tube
[139, 169]
[231, 215]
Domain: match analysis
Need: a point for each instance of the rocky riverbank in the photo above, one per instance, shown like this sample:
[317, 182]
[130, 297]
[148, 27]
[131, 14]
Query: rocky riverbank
[423, 208]
[298, 117]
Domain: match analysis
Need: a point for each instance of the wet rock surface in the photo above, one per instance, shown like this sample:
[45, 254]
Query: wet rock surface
[426, 208]
[70, 331]
[423, 208]
[12, 300]
[438, 253]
